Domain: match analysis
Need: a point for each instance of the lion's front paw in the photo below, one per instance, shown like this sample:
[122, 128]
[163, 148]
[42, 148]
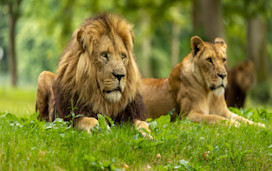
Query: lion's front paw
[86, 123]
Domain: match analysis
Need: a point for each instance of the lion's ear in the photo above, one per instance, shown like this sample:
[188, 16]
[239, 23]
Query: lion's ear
[221, 43]
[80, 39]
[196, 44]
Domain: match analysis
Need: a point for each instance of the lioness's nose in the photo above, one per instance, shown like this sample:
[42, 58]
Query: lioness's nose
[118, 76]
[222, 75]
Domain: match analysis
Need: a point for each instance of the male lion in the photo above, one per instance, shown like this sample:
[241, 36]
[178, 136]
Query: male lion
[195, 86]
[96, 74]
[240, 79]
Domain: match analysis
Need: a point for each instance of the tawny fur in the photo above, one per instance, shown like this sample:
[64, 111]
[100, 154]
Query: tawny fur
[157, 96]
[196, 86]
[96, 74]
[241, 78]
[45, 96]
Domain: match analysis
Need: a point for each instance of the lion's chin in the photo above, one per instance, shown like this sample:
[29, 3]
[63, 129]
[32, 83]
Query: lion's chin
[114, 96]
[219, 91]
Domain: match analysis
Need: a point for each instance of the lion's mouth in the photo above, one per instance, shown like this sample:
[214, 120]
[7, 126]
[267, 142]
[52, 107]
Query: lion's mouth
[116, 89]
[214, 87]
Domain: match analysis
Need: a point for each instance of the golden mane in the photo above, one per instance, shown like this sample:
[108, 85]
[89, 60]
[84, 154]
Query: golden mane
[76, 80]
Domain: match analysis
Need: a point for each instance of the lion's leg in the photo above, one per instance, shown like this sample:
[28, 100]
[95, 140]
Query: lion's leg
[45, 96]
[142, 124]
[85, 123]
[232, 116]
[210, 119]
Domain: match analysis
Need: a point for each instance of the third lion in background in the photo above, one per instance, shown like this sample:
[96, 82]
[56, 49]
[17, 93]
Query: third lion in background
[240, 79]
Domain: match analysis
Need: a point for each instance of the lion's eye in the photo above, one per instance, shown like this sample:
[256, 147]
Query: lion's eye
[224, 60]
[209, 60]
[123, 56]
[105, 55]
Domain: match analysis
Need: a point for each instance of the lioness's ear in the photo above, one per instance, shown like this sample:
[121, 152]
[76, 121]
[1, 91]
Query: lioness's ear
[80, 39]
[196, 44]
[221, 43]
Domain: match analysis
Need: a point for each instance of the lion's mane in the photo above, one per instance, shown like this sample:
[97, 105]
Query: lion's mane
[76, 79]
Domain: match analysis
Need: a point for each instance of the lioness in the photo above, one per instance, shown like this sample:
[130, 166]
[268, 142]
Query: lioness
[195, 86]
[96, 74]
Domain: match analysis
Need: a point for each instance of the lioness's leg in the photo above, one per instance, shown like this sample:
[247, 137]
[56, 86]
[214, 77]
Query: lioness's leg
[45, 96]
[233, 116]
[210, 119]
[85, 123]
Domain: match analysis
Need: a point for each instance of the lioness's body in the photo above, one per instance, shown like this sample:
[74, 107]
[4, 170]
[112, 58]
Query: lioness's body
[97, 74]
[158, 98]
[196, 86]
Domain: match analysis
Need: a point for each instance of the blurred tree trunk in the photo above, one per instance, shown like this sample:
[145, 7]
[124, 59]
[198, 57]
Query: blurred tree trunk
[197, 21]
[175, 44]
[146, 44]
[12, 49]
[256, 46]
[207, 19]
[13, 15]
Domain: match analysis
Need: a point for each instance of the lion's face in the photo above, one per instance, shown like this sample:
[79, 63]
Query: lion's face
[111, 62]
[106, 64]
[210, 64]
[245, 75]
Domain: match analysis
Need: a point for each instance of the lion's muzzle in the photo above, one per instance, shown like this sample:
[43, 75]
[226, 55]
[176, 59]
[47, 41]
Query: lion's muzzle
[116, 89]
[118, 76]
[115, 85]
[221, 75]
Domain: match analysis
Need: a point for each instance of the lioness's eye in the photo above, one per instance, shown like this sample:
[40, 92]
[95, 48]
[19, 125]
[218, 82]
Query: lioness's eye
[209, 60]
[104, 54]
[123, 56]
[224, 60]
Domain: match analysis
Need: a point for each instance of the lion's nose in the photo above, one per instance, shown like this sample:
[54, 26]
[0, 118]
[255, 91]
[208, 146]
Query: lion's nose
[222, 75]
[118, 76]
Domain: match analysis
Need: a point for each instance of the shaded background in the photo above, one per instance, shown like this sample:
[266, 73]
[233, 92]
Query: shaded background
[34, 33]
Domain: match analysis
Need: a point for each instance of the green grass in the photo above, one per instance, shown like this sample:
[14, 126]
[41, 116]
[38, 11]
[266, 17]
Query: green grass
[17, 101]
[28, 144]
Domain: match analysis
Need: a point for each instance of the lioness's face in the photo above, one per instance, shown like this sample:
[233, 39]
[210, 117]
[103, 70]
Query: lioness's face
[111, 59]
[210, 61]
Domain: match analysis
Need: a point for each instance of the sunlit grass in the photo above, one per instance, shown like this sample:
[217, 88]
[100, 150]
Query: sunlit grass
[17, 101]
[29, 144]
